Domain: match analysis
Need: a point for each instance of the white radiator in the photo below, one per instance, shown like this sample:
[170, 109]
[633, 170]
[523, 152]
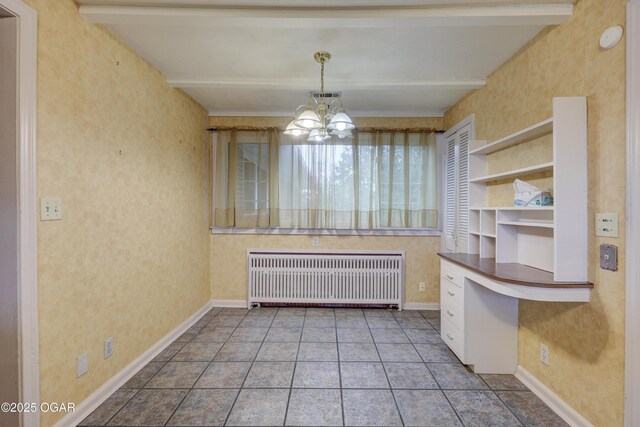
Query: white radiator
[332, 277]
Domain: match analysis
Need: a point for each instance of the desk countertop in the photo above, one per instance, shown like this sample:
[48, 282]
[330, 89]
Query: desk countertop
[517, 274]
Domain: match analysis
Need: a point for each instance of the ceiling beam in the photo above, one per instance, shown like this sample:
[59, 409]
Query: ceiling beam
[352, 113]
[364, 17]
[305, 84]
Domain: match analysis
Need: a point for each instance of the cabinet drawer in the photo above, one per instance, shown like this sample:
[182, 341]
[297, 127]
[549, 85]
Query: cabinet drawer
[451, 273]
[453, 338]
[454, 314]
[450, 293]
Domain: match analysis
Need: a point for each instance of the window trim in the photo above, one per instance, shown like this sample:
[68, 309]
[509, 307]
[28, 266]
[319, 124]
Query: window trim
[398, 232]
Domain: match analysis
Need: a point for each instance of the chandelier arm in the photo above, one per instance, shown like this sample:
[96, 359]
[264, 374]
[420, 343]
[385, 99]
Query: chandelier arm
[300, 109]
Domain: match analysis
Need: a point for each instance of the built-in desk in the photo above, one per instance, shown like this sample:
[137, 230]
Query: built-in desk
[479, 307]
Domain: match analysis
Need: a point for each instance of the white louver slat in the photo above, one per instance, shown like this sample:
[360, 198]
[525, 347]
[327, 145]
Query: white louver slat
[463, 189]
[450, 202]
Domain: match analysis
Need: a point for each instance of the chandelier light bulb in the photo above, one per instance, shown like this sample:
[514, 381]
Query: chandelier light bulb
[341, 126]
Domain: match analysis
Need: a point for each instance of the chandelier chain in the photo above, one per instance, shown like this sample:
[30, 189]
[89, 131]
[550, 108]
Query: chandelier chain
[322, 80]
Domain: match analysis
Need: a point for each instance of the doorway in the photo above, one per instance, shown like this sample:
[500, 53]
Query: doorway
[19, 367]
[9, 328]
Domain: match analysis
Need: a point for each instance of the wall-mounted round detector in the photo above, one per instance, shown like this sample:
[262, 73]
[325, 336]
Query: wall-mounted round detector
[611, 37]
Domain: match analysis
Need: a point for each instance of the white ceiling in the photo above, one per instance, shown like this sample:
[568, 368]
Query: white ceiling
[389, 58]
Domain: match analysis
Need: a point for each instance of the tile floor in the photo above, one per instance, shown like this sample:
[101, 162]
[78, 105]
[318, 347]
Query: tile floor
[317, 367]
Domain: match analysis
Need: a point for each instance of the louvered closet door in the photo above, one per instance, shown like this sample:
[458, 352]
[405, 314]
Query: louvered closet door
[456, 227]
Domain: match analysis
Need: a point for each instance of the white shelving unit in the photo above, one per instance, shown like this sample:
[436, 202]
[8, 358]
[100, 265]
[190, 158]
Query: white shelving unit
[551, 238]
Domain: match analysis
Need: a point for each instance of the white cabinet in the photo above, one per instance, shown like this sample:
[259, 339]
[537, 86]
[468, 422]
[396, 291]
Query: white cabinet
[479, 325]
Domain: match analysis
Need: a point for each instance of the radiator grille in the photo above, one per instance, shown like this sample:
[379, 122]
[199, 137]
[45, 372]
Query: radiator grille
[326, 278]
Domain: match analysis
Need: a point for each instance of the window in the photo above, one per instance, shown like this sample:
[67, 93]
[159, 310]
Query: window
[377, 180]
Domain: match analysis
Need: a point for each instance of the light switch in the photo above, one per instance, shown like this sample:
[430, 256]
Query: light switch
[607, 224]
[50, 208]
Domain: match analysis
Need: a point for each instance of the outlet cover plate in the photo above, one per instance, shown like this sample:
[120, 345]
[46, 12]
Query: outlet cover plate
[609, 257]
[82, 365]
[607, 224]
[544, 354]
[108, 347]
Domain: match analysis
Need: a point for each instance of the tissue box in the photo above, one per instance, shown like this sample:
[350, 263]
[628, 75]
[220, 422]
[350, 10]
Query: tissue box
[533, 198]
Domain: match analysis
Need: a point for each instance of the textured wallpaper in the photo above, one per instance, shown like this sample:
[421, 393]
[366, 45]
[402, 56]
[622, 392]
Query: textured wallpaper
[129, 156]
[586, 340]
[229, 278]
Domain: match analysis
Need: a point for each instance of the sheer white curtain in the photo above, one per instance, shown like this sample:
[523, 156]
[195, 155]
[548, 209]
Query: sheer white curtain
[378, 180]
[246, 168]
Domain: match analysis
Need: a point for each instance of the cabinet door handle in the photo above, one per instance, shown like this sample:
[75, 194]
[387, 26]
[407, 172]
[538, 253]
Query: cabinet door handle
[450, 313]
[451, 293]
[449, 336]
[450, 277]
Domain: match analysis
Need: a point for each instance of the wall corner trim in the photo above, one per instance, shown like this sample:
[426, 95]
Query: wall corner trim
[559, 406]
[107, 389]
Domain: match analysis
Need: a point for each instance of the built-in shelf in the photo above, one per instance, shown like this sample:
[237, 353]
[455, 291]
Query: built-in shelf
[475, 233]
[548, 238]
[527, 224]
[514, 173]
[539, 129]
[516, 208]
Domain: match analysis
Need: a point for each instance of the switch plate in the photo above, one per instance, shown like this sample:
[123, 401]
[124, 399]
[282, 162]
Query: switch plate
[50, 208]
[609, 257]
[108, 347]
[607, 224]
[82, 365]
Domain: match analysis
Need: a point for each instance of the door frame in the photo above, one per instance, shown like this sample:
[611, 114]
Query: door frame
[632, 263]
[28, 207]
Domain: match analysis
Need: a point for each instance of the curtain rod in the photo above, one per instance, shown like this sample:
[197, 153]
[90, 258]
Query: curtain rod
[364, 130]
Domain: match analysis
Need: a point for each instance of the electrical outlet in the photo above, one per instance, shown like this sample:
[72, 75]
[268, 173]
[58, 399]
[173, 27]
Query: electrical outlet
[544, 354]
[315, 241]
[82, 365]
[422, 287]
[50, 208]
[108, 347]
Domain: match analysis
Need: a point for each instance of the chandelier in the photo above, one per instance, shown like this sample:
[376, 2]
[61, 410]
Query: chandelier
[317, 119]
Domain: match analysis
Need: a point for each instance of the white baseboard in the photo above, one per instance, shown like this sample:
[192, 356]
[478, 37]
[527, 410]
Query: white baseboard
[421, 306]
[240, 303]
[229, 303]
[94, 400]
[559, 406]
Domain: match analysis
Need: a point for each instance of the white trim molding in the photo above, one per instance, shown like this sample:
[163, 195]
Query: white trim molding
[559, 406]
[632, 263]
[27, 237]
[96, 398]
[229, 303]
[421, 306]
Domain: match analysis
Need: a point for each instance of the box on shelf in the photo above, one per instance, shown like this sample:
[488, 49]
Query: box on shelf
[529, 195]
